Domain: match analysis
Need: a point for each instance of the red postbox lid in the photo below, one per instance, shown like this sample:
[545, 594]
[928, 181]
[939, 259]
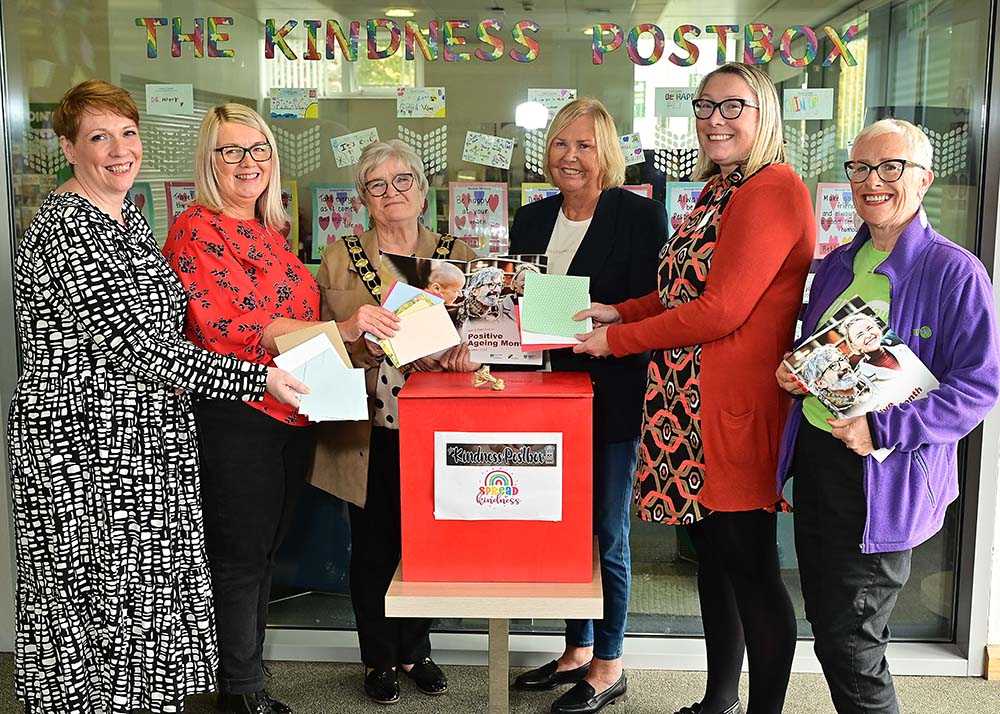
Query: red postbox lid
[436, 385]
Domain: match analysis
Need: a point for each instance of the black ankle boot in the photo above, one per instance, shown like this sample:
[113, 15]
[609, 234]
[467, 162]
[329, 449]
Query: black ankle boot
[250, 703]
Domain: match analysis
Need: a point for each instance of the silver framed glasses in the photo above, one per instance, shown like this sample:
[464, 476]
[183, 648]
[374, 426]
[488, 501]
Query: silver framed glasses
[400, 182]
[728, 108]
[235, 154]
[890, 170]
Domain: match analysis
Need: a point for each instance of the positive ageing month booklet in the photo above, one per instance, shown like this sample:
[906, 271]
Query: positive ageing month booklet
[479, 295]
[854, 364]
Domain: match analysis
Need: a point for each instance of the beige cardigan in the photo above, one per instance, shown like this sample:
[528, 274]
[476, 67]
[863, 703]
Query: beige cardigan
[340, 465]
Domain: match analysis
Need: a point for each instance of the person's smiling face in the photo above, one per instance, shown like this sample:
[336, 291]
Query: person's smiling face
[883, 204]
[728, 142]
[573, 160]
[240, 185]
[394, 206]
[106, 155]
[863, 335]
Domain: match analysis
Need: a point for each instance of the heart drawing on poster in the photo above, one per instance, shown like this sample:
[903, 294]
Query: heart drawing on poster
[676, 222]
[826, 222]
[834, 200]
[466, 199]
[682, 200]
[839, 220]
[324, 222]
[493, 202]
[337, 218]
[460, 222]
[328, 200]
[356, 204]
[358, 229]
[342, 197]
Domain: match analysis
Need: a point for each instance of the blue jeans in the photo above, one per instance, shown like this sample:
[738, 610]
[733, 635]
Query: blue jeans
[614, 467]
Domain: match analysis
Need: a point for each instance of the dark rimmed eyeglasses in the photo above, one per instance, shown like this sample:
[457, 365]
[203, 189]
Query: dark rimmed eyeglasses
[728, 108]
[889, 170]
[235, 154]
[400, 182]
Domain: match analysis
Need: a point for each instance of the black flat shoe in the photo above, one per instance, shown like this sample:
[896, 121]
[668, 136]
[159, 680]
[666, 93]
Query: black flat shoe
[582, 699]
[546, 678]
[382, 686]
[428, 677]
[250, 703]
[696, 708]
[226, 702]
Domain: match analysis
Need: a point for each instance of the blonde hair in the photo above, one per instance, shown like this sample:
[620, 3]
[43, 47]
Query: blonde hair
[920, 145]
[89, 96]
[378, 153]
[769, 146]
[609, 155]
[268, 209]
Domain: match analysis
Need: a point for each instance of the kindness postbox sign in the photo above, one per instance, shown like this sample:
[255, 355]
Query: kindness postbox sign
[498, 476]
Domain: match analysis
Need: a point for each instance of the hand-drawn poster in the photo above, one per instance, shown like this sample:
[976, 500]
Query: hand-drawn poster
[180, 195]
[347, 148]
[631, 148]
[680, 199]
[836, 219]
[551, 99]
[478, 215]
[294, 103]
[415, 102]
[337, 211]
[531, 192]
[170, 99]
[488, 150]
[141, 194]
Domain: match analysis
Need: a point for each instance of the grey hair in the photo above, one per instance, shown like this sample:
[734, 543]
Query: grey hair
[478, 278]
[819, 361]
[444, 272]
[920, 145]
[378, 153]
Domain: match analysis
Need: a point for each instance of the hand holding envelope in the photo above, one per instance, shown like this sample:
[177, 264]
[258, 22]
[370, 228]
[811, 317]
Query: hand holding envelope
[425, 327]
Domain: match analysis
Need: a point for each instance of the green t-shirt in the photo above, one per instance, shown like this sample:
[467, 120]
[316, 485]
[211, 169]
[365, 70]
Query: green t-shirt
[874, 290]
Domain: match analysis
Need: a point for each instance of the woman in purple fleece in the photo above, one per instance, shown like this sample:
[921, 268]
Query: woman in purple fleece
[857, 520]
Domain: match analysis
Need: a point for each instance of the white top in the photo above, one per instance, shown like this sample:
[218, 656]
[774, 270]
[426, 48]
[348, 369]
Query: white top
[566, 238]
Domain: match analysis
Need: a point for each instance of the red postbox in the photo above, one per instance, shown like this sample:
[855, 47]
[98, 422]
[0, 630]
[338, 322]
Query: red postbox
[496, 550]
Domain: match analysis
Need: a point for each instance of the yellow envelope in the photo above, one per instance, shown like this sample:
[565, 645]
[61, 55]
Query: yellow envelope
[423, 333]
[294, 339]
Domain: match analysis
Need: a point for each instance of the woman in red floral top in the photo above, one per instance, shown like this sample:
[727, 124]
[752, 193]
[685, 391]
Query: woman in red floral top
[245, 288]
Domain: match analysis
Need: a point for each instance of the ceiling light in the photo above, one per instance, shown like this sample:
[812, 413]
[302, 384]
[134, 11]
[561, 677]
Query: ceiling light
[399, 12]
[531, 115]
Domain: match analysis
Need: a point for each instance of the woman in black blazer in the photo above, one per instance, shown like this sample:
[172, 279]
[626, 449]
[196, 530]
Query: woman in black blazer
[597, 229]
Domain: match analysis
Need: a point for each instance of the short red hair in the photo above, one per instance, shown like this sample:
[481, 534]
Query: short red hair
[88, 96]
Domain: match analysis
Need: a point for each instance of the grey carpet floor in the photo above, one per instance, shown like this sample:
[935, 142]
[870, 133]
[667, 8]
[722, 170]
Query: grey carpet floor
[332, 688]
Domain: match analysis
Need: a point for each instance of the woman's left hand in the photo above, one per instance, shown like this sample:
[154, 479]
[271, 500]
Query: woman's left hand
[594, 343]
[853, 431]
[457, 359]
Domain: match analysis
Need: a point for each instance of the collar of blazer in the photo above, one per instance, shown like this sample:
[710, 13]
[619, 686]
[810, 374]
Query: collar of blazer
[597, 241]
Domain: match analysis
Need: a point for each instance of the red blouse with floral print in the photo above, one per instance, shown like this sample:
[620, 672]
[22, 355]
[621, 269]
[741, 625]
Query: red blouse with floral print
[239, 277]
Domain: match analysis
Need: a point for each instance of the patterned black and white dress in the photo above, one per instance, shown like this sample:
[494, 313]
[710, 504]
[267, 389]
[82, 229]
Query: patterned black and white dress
[113, 598]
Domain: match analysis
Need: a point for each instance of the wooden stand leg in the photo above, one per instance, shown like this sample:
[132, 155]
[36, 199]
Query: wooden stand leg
[499, 669]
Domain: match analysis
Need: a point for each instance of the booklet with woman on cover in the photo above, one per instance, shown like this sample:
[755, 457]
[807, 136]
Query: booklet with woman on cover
[855, 364]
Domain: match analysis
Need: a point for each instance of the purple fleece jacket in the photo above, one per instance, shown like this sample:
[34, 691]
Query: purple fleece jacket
[941, 305]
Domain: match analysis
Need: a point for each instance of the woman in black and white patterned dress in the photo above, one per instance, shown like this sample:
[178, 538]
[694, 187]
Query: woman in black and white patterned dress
[114, 609]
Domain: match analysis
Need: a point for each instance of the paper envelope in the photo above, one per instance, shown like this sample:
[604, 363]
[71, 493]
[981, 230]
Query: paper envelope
[294, 339]
[424, 332]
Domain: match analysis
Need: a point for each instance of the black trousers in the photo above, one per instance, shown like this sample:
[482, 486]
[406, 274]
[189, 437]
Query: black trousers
[849, 595]
[375, 552]
[252, 470]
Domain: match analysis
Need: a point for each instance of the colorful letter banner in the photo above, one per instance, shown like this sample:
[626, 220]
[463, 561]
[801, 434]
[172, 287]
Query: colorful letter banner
[180, 195]
[836, 220]
[337, 212]
[681, 196]
[478, 215]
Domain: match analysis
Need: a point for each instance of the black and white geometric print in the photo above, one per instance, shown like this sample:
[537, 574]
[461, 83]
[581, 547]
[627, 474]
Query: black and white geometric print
[113, 597]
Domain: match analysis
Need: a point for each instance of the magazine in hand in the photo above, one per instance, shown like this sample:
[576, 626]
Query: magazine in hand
[480, 296]
[854, 364]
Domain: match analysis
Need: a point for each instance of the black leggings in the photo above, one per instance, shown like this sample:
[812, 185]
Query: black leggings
[744, 605]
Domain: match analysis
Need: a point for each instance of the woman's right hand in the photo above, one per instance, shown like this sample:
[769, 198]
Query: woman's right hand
[284, 387]
[601, 314]
[788, 381]
[369, 318]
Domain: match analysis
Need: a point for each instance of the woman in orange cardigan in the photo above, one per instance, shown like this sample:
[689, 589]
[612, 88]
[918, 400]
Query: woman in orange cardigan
[730, 286]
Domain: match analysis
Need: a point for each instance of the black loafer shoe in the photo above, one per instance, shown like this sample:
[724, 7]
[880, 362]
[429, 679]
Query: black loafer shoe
[250, 703]
[545, 678]
[582, 699]
[428, 677]
[382, 686]
[696, 708]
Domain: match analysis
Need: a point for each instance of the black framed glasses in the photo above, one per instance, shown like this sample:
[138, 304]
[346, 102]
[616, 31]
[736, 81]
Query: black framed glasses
[728, 108]
[400, 182]
[889, 170]
[235, 154]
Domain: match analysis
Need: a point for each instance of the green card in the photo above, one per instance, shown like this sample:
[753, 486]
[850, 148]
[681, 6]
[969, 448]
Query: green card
[550, 301]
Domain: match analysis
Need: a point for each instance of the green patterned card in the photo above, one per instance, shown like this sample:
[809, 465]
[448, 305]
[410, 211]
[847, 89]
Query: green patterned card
[550, 301]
